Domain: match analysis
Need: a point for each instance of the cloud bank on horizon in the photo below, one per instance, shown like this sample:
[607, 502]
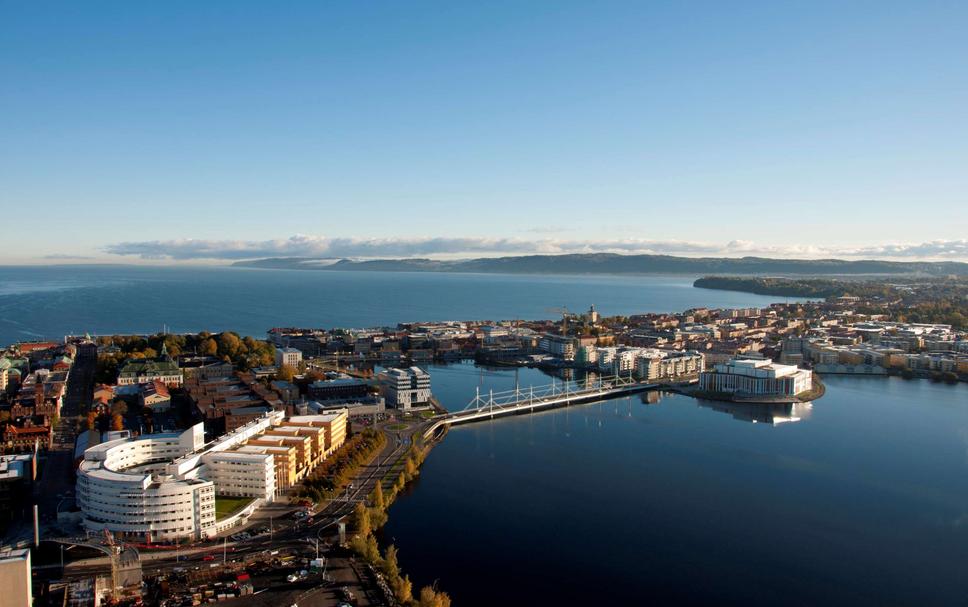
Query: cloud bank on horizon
[451, 247]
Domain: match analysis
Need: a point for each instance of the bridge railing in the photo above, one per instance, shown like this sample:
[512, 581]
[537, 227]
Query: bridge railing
[536, 395]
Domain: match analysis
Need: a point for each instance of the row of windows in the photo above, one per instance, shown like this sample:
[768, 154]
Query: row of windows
[121, 521]
[108, 498]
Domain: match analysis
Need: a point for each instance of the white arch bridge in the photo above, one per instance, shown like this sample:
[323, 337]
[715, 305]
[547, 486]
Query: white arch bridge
[527, 400]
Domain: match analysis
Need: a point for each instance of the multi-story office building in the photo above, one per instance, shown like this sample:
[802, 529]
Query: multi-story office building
[339, 388]
[242, 474]
[242, 396]
[284, 462]
[405, 388]
[145, 370]
[755, 377]
[315, 436]
[300, 446]
[334, 425]
[288, 356]
[132, 488]
[204, 367]
[163, 486]
[558, 345]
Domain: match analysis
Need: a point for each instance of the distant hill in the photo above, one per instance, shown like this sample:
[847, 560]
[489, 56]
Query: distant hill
[609, 263]
[816, 288]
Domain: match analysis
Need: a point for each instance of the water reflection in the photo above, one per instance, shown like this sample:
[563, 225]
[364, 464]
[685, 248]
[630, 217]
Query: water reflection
[773, 414]
[866, 492]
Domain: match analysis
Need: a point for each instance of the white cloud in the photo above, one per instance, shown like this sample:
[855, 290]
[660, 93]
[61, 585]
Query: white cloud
[66, 257]
[438, 247]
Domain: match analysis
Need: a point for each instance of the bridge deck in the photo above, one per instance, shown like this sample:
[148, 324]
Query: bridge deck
[517, 401]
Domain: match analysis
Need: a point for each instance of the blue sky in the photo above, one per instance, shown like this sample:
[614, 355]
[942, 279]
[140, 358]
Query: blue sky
[204, 131]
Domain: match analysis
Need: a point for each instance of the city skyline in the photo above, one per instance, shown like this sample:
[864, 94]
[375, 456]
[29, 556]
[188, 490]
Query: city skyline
[187, 133]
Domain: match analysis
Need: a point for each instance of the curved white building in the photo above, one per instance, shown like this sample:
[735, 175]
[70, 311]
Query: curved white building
[163, 486]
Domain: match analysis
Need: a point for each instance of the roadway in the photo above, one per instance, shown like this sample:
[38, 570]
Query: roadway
[286, 532]
[56, 466]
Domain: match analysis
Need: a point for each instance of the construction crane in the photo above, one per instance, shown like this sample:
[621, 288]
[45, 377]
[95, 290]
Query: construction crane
[565, 314]
[115, 554]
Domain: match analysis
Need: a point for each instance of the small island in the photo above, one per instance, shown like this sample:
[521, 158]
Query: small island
[758, 381]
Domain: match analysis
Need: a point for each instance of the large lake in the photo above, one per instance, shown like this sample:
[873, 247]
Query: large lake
[860, 499]
[49, 302]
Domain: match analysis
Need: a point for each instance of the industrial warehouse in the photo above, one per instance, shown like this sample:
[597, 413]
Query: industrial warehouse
[162, 487]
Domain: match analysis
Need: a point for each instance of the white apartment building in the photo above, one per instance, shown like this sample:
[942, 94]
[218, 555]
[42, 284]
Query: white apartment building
[242, 474]
[657, 365]
[587, 355]
[288, 356]
[163, 486]
[493, 334]
[617, 361]
[558, 345]
[753, 377]
[405, 388]
[605, 358]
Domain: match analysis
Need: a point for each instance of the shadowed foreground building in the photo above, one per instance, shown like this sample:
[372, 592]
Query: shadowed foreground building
[15, 579]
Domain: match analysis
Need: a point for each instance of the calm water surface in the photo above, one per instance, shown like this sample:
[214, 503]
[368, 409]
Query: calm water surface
[862, 501]
[49, 302]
